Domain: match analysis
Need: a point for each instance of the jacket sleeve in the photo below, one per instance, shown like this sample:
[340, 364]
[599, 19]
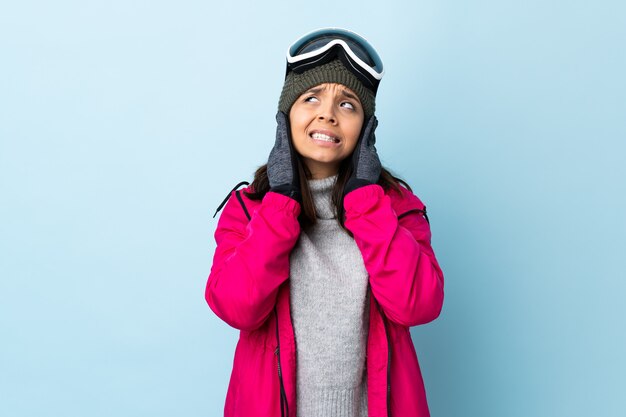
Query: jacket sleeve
[405, 276]
[251, 259]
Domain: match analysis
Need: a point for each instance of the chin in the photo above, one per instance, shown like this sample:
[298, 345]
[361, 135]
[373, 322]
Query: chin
[323, 160]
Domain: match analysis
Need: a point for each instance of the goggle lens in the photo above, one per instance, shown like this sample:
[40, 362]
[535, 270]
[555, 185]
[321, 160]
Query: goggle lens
[319, 43]
[320, 38]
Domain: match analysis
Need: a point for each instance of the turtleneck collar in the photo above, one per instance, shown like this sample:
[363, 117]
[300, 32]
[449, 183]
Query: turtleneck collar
[321, 190]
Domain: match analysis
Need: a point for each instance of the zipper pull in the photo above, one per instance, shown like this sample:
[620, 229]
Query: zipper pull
[276, 351]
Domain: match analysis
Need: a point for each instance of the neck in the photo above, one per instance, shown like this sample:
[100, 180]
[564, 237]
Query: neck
[321, 170]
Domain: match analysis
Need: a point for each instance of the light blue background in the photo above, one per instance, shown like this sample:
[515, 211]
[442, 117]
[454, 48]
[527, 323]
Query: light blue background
[123, 125]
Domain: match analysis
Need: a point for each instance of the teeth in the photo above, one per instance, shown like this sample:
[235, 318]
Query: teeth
[321, 136]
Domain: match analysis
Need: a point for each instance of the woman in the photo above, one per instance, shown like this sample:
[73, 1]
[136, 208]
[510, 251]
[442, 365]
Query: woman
[325, 261]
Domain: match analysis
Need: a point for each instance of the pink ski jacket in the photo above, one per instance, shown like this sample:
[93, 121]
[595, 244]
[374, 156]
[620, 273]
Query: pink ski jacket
[248, 288]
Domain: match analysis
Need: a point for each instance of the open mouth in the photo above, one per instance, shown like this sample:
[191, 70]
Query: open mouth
[323, 137]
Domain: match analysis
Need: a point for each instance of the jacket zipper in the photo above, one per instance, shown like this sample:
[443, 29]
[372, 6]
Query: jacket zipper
[283, 397]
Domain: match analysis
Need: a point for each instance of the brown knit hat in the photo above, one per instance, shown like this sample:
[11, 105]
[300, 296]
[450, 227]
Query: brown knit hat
[331, 72]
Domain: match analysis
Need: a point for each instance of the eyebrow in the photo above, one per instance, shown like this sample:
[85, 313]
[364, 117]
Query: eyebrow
[344, 92]
[350, 95]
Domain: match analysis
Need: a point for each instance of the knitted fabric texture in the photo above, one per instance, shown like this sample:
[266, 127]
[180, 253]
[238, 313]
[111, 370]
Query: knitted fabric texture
[331, 72]
[330, 312]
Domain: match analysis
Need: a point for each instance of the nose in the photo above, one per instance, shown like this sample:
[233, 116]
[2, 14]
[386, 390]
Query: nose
[327, 112]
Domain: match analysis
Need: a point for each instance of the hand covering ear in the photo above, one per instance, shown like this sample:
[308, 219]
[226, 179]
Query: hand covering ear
[365, 161]
[282, 165]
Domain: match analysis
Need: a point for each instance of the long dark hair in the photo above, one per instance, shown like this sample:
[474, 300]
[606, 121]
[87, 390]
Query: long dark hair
[307, 218]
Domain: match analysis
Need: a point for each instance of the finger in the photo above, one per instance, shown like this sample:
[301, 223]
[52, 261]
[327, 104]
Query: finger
[371, 140]
[282, 138]
[368, 133]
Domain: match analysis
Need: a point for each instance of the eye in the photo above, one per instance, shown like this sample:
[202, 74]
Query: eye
[309, 98]
[350, 105]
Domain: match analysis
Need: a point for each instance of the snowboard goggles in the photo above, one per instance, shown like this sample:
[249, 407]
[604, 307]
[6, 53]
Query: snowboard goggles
[323, 45]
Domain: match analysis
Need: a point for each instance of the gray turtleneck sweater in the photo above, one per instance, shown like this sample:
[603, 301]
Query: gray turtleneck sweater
[330, 314]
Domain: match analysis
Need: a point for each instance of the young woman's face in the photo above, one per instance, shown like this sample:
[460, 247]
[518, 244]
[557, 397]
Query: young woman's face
[325, 125]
